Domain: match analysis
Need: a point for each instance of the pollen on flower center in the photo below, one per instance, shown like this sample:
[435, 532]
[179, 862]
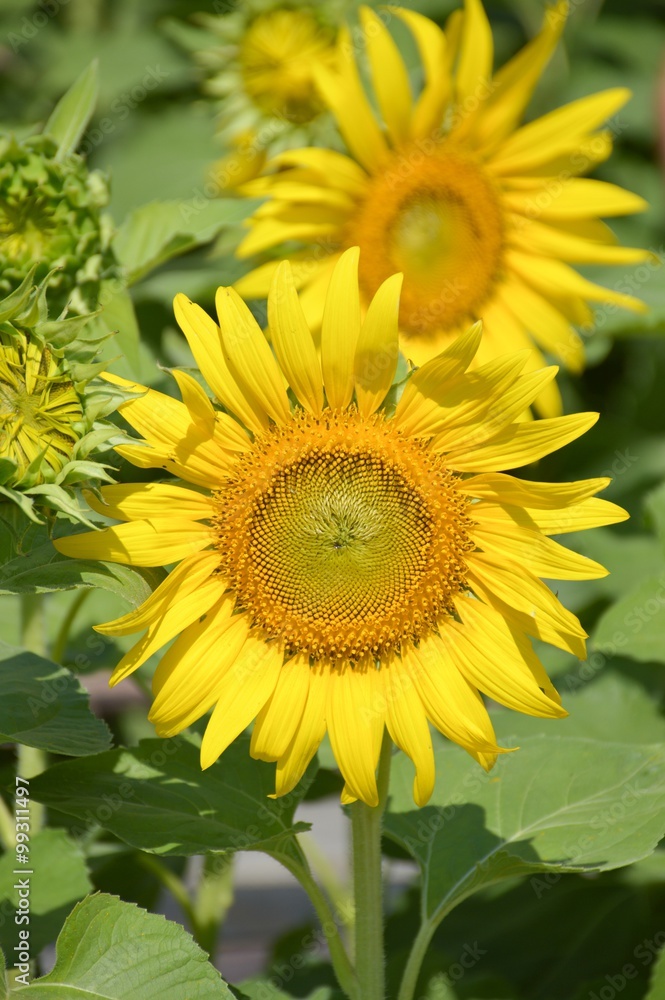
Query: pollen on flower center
[436, 217]
[341, 537]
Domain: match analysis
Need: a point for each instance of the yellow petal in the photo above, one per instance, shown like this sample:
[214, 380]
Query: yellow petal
[309, 733]
[181, 581]
[407, 725]
[523, 443]
[204, 339]
[433, 101]
[280, 717]
[344, 94]
[552, 241]
[334, 168]
[293, 342]
[515, 82]
[591, 513]
[450, 702]
[249, 355]
[157, 542]
[389, 76]
[526, 493]
[474, 69]
[377, 350]
[577, 198]
[135, 501]
[539, 555]
[521, 590]
[421, 395]
[554, 276]
[557, 131]
[187, 681]
[487, 653]
[340, 330]
[182, 612]
[355, 715]
[244, 689]
[191, 451]
[550, 329]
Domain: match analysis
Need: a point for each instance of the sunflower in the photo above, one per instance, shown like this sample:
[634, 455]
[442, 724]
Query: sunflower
[483, 217]
[261, 70]
[346, 561]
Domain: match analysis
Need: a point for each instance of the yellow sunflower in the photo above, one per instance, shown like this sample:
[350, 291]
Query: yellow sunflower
[483, 217]
[346, 561]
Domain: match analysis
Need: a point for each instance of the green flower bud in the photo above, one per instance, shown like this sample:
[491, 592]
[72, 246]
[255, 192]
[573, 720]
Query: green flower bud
[51, 214]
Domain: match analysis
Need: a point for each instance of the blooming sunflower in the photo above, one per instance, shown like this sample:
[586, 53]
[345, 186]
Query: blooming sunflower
[483, 217]
[262, 70]
[345, 562]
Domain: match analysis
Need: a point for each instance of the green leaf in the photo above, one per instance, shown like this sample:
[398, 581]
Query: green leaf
[118, 317]
[154, 233]
[111, 950]
[73, 111]
[43, 705]
[609, 705]
[654, 503]
[157, 798]
[29, 563]
[558, 804]
[59, 879]
[635, 625]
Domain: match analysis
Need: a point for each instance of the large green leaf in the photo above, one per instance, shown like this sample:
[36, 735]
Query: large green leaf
[111, 950]
[602, 707]
[156, 232]
[558, 804]
[156, 797]
[73, 111]
[58, 879]
[29, 563]
[43, 705]
[635, 625]
[265, 989]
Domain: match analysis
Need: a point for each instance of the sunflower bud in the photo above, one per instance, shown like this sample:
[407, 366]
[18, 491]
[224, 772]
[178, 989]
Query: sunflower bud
[51, 213]
[50, 404]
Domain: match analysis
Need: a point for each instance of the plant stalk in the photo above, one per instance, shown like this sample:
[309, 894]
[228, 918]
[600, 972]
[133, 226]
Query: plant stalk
[366, 825]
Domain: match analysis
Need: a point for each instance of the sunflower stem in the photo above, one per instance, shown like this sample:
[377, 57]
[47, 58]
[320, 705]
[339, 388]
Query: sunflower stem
[344, 972]
[366, 825]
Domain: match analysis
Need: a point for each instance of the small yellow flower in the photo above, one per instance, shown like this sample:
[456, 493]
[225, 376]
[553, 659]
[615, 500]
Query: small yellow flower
[482, 216]
[347, 560]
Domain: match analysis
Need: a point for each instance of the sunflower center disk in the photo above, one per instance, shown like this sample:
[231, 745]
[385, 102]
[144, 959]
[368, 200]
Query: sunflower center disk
[437, 218]
[338, 543]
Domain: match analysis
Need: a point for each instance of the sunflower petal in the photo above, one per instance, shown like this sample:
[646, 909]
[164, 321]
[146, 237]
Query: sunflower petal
[293, 342]
[340, 330]
[278, 720]
[377, 350]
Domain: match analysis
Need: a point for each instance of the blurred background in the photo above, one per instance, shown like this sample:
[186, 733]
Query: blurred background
[158, 130]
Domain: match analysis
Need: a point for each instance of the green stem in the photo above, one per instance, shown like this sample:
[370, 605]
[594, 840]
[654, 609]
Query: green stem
[60, 644]
[346, 977]
[176, 887]
[409, 982]
[366, 824]
[32, 761]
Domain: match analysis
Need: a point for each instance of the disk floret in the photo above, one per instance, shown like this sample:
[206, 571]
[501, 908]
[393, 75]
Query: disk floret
[341, 537]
